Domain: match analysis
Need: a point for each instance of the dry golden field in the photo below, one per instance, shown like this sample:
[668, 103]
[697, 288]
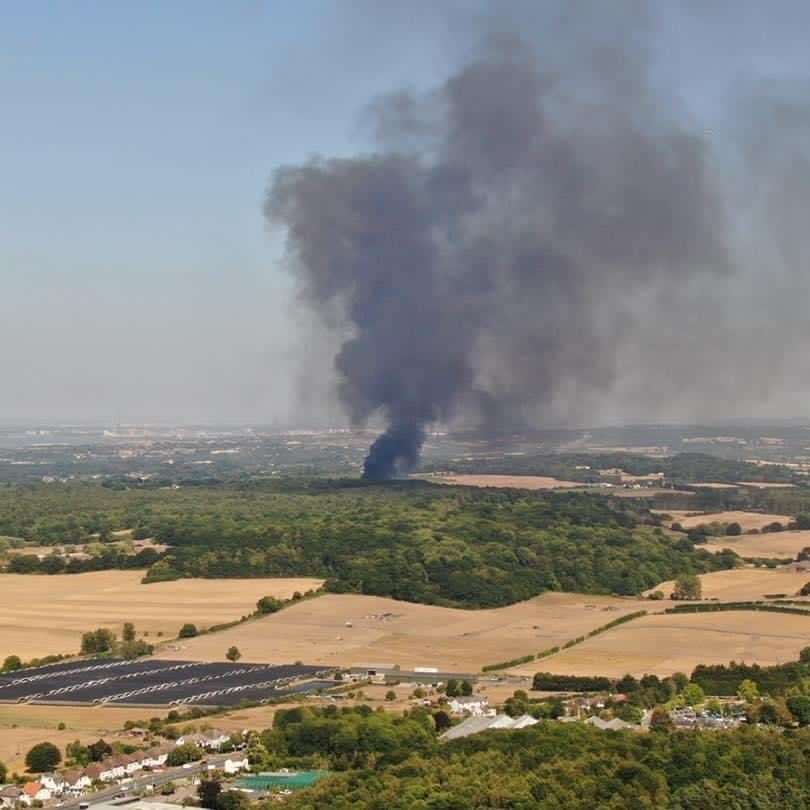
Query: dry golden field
[747, 520]
[765, 485]
[743, 584]
[41, 615]
[347, 630]
[22, 727]
[663, 644]
[508, 481]
[770, 544]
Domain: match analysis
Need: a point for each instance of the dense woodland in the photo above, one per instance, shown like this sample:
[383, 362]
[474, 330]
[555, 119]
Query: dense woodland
[409, 540]
[682, 468]
[396, 765]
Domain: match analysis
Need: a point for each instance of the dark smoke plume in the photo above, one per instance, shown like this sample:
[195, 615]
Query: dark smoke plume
[483, 257]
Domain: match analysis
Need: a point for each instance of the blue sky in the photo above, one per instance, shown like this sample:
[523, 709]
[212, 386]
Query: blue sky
[137, 278]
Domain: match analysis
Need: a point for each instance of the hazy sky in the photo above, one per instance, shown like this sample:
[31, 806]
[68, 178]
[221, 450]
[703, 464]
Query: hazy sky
[137, 277]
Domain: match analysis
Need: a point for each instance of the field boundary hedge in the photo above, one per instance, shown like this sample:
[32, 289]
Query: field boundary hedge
[525, 659]
[725, 606]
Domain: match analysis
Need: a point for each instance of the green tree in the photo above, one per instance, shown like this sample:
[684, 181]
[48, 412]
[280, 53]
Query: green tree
[269, 604]
[98, 750]
[232, 800]
[733, 530]
[630, 713]
[799, 707]
[3, 772]
[12, 663]
[768, 713]
[44, 756]
[390, 695]
[748, 691]
[687, 586]
[188, 630]
[128, 633]
[98, 641]
[208, 792]
[517, 704]
[233, 654]
[182, 754]
[660, 720]
[693, 695]
[452, 688]
[466, 688]
[77, 753]
[803, 520]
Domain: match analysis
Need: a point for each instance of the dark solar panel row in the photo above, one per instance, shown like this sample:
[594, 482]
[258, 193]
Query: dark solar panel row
[258, 694]
[216, 688]
[128, 676]
[83, 670]
[154, 680]
[69, 680]
[59, 666]
[151, 681]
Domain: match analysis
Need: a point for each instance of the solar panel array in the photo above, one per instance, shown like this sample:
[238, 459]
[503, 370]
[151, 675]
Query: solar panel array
[164, 683]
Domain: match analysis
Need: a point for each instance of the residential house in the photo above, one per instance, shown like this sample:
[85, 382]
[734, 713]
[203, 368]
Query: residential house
[156, 756]
[474, 705]
[132, 763]
[211, 740]
[235, 763]
[215, 739]
[53, 781]
[112, 768]
[75, 782]
[10, 795]
[35, 792]
[190, 739]
[93, 772]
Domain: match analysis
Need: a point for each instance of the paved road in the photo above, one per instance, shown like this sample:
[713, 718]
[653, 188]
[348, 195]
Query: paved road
[155, 778]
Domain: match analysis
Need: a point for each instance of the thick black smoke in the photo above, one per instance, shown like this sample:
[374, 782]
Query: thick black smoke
[484, 256]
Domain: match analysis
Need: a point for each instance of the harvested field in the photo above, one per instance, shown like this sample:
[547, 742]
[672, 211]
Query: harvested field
[765, 485]
[504, 481]
[770, 544]
[743, 584]
[42, 615]
[22, 727]
[663, 644]
[747, 520]
[350, 630]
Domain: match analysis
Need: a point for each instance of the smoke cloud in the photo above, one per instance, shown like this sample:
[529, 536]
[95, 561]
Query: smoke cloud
[517, 234]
